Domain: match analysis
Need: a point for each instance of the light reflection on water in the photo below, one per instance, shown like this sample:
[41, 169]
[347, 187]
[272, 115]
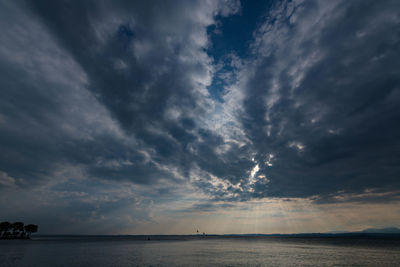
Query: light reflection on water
[135, 251]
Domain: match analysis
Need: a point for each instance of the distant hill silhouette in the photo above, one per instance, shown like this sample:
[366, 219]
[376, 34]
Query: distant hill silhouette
[369, 232]
[388, 230]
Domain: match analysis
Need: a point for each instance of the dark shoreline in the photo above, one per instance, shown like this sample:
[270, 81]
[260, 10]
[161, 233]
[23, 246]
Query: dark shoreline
[347, 238]
[15, 238]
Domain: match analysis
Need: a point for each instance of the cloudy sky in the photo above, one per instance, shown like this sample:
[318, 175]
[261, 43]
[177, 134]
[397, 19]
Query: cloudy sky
[160, 117]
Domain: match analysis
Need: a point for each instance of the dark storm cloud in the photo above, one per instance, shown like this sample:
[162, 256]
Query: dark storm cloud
[68, 66]
[148, 71]
[323, 98]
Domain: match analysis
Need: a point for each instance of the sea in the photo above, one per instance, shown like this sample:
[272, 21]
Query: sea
[199, 251]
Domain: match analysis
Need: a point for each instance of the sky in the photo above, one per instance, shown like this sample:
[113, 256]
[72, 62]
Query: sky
[164, 117]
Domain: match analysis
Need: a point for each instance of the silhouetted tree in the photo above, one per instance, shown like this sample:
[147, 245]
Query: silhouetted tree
[4, 229]
[31, 228]
[18, 229]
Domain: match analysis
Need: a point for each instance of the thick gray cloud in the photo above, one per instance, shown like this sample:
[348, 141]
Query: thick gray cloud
[323, 98]
[149, 70]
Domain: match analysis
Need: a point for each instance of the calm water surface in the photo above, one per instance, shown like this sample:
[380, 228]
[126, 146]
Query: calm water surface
[195, 251]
